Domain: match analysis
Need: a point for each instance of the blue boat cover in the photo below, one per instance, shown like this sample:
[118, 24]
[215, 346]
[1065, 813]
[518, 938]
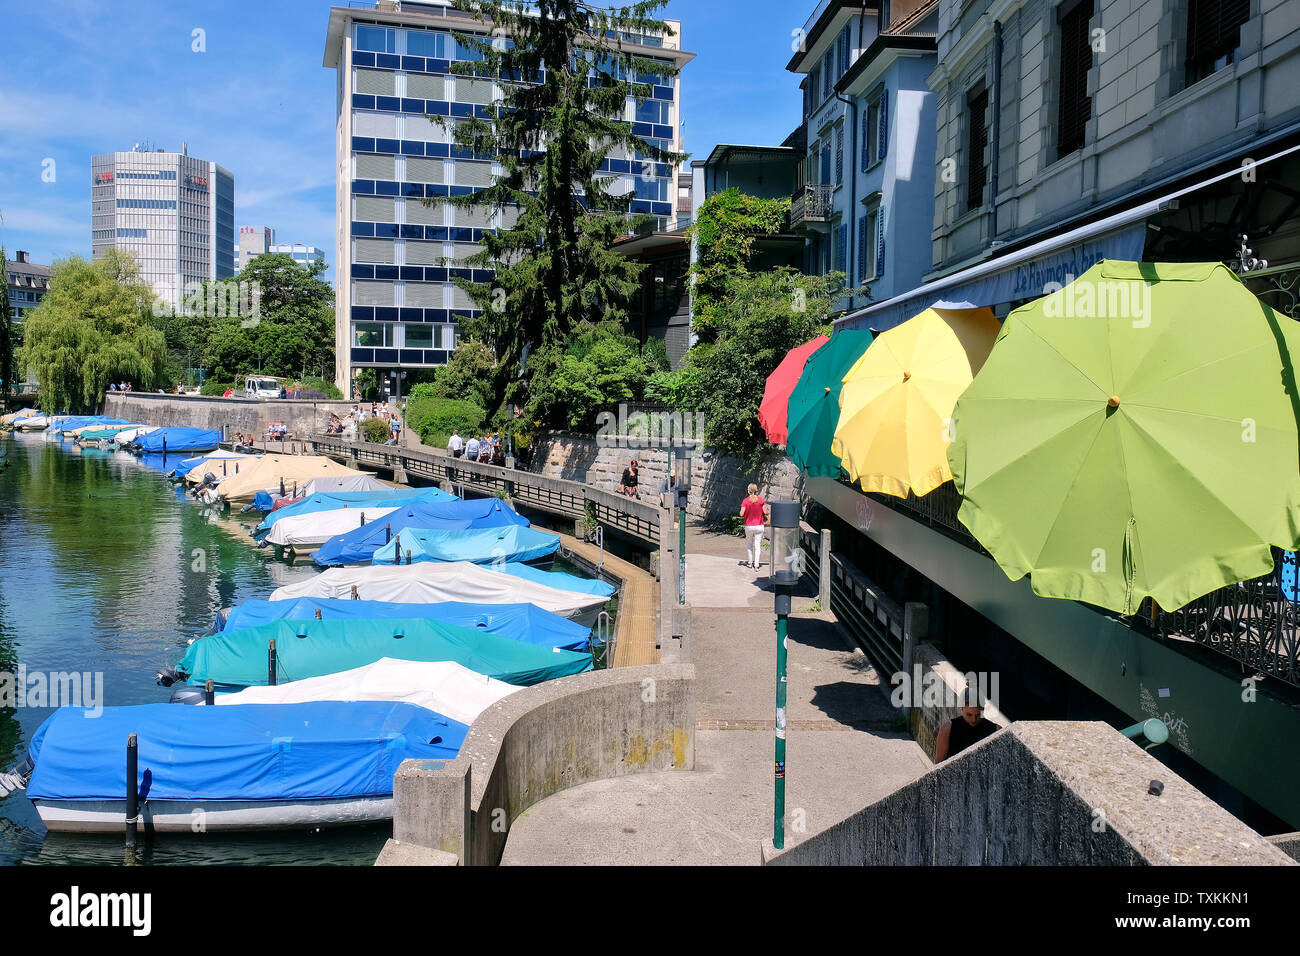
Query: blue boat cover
[314, 648]
[313, 751]
[157, 461]
[333, 500]
[179, 439]
[359, 545]
[557, 579]
[479, 545]
[523, 622]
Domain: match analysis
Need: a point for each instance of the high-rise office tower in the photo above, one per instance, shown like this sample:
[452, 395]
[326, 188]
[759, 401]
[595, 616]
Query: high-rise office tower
[174, 212]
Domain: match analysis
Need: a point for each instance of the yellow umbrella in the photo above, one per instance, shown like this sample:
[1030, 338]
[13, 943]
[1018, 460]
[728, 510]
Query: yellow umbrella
[896, 405]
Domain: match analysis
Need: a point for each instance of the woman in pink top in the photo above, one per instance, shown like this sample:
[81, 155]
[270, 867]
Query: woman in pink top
[754, 510]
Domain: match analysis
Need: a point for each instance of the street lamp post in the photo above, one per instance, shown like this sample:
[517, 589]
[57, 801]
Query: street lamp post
[786, 565]
[682, 471]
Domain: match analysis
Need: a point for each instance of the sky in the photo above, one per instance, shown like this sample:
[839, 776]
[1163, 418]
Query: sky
[82, 77]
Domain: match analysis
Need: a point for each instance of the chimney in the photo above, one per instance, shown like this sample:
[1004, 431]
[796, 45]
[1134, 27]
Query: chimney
[22, 256]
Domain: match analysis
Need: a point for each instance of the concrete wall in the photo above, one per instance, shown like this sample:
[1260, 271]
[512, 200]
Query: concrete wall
[535, 743]
[1042, 793]
[717, 482]
[303, 418]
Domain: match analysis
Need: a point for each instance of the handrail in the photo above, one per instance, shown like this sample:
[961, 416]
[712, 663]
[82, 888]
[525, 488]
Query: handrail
[561, 496]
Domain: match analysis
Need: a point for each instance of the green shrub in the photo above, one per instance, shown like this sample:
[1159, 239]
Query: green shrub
[376, 430]
[434, 418]
[318, 384]
[216, 388]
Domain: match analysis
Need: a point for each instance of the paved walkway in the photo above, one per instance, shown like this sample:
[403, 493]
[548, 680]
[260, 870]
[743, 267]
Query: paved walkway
[842, 750]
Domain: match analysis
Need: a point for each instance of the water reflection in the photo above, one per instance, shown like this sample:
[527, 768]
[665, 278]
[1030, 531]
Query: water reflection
[103, 569]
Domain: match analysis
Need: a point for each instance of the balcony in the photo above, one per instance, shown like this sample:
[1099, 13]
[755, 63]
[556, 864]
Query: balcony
[811, 208]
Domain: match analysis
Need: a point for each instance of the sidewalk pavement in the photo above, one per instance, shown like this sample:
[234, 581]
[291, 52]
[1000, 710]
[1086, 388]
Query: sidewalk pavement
[842, 749]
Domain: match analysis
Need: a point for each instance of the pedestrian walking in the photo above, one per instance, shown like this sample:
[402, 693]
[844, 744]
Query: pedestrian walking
[755, 512]
[455, 444]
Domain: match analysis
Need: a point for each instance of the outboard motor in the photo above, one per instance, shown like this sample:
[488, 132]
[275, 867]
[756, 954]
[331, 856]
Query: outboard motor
[168, 676]
[209, 481]
[187, 694]
[17, 778]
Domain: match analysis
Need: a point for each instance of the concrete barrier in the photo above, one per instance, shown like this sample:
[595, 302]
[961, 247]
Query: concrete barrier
[1040, 793]
[301, 417]
[535, 743]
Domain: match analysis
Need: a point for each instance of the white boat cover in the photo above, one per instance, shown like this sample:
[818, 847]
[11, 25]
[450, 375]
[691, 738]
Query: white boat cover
[310, 531]
[131, 434]
[267, 473]
[357, 482]
[443, 687]
[435, 581]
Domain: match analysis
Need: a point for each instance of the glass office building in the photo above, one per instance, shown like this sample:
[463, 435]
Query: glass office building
[174, 212]
[396, 306]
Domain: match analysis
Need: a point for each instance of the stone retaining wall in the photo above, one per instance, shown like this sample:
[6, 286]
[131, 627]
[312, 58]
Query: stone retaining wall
[535, 743]
[1055, 793]
[243, 415]
[717, 481]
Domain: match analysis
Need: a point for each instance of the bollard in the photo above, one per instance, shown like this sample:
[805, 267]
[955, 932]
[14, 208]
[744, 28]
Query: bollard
[281, 487]
[209, 693]
[132, 788]
[270, 662]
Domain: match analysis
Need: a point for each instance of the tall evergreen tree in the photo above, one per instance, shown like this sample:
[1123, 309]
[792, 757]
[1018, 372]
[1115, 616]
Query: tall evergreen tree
[550, 132]
[8, 333]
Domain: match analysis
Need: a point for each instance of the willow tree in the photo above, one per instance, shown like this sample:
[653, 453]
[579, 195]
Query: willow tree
[566, 73]
[91, 328]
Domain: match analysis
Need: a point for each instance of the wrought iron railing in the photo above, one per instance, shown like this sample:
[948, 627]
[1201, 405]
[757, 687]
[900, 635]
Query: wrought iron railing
[812, 203]
[1256, 622]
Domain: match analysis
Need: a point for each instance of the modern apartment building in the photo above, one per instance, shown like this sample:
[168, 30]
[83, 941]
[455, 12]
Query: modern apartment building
[257, 241]
[396, 307]
[300, 253]
[174, 212]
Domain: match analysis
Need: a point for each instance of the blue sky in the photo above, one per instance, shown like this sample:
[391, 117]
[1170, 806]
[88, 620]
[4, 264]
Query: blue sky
[81, 77]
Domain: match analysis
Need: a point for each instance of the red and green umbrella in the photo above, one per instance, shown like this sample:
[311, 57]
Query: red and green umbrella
[776, 393]
[814, 409]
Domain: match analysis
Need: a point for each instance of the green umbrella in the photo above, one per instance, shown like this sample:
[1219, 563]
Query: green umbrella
[814, 408]
[1134, 434]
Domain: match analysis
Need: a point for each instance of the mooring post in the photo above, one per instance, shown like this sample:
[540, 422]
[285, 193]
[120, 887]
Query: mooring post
[281, 487]
[318, 614]
[355, 596]
[388, 532]
[408, 556]
[270, 663]
[209, 692]
[132, 788]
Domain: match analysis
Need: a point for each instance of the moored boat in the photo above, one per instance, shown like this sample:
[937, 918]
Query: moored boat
[477, 545]
[359, 546]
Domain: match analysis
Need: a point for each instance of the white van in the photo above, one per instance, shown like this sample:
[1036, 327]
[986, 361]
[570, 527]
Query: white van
[261, 386]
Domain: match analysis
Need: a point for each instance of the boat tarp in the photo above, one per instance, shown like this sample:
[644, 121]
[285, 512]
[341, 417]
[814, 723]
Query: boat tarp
[557, 579]
[359, 546]
[179, 439]
[21, 413]
[478, 545]
[330, 500]
[311, 530]
[523, 622]
[443, 687]
[127, 435]
[214, 462]
[270, 470]
[433, 582]
[254, 752]
[105, 432]
[265, 501]
[315, 648]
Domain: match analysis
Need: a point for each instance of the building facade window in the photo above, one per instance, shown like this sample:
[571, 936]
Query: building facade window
[1074, 106]
[1213, 35]
[839, 155]
[875, 128]
[977, 138]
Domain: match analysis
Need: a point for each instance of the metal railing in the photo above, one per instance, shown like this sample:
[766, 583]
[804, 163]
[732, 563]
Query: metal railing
[1255, 622]
[812, 203]
[558, 496]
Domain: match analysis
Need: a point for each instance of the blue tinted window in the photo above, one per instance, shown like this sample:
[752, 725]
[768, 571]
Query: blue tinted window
[466, 52]
[421, 43]
[377, 39]
[652, 111]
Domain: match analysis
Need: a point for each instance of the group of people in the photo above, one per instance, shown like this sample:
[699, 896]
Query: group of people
[487, 449]
[123, 387]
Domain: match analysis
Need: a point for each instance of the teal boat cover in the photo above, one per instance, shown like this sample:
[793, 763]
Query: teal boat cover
[314, 648]
[477, 545]
[313, 751]
[522, 622]
[557, 579]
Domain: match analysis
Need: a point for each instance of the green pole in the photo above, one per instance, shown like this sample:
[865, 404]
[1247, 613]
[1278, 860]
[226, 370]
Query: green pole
[778, 807]
[681, 556]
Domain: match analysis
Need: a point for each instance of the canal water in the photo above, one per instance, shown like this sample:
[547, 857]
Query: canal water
[106, 568]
